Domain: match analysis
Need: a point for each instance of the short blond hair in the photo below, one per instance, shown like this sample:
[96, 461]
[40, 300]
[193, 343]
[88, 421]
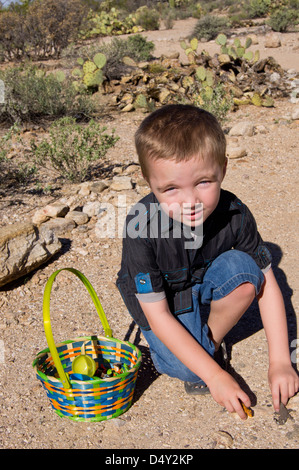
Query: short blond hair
[180, 132]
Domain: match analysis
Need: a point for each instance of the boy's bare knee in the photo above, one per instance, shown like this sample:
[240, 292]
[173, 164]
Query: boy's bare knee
[247, 290]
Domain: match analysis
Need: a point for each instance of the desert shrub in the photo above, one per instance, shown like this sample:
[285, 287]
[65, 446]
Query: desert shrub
[136, 46]
[208, 27]
[41, 30]
[148, 19]
[31, 94]
[257, 8]
[139, 48]
[13, 172]
[280, 20]
[219, 103]
[53, 24]
[72, 148]
[13, 35]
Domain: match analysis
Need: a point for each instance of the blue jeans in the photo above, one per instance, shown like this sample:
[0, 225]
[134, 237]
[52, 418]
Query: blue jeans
[226, 273]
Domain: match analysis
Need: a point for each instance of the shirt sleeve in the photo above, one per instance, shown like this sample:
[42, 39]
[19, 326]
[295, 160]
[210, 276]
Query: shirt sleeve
[151, 297]
[249, 240]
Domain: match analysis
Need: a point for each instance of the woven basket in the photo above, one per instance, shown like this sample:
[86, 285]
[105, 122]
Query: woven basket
[95, 399]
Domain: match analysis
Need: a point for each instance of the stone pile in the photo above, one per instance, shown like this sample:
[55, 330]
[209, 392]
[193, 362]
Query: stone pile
[168, 80]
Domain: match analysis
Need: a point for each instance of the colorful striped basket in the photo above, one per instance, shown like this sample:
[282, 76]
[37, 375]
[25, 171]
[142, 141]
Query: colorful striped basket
[95, 399]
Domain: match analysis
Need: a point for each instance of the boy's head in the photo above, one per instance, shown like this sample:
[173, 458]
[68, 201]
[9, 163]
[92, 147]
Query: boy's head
[182, 154]
[179, 133]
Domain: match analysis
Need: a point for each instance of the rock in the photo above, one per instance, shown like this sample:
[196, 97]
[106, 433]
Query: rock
[120, 183]
[272, 40]
[283, 415]
[80, 218]
[92, 208]
[128, 108]
[59, 226]
[261, 129]
[40, 217]
[235, 152]
[294, 402]
[224, 59]
[244, 128]
[24, 247]
[85, 188]
[57, 209]
[223, 439]
[275, 77]
[133, 168]
[253, 38]
[164, 95]
[98, 187]
[295, 114]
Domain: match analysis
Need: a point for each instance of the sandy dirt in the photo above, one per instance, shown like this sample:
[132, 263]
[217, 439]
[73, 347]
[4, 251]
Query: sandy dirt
[162, 416]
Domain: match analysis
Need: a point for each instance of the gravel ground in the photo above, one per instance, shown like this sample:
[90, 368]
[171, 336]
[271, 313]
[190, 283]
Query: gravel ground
[162, 415]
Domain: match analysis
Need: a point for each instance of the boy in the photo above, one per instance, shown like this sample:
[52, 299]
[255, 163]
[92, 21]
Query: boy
[190, 243]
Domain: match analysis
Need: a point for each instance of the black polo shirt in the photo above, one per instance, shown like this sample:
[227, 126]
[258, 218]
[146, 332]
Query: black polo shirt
[159, 258]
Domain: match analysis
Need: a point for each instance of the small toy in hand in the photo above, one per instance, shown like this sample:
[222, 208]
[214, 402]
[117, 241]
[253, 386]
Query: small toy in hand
[247, 411]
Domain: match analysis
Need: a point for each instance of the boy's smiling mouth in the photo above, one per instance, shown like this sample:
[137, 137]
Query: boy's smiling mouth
[193, 215]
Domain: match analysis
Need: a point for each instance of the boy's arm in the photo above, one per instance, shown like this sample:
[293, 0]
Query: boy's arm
[283, 379]
[181, 343]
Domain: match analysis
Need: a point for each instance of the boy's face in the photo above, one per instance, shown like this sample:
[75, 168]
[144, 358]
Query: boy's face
[188, 191]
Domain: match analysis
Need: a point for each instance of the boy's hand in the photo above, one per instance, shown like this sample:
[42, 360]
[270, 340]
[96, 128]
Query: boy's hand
[227, 392]
[284, 383]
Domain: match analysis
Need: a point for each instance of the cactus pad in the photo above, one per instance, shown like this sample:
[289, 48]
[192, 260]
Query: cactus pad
[221, 39]
[100, 60]
[89, 67]
[201, 73]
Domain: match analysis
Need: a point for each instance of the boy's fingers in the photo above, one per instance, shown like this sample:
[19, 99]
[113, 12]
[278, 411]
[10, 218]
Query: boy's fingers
[245, 399]
[284, 394]
[239, 409]
[276, 397]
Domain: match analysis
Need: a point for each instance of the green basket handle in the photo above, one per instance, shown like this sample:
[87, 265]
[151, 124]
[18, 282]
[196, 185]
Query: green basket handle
[47, 324]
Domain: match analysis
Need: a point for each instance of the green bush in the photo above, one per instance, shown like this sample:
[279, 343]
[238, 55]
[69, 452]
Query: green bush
[258, 8]
[13, 172]
[136, 47]
[208, 27]
[31, 94]
[72, 148]
[139, 48]
[218, 103]
[148, 19]
[280, 20]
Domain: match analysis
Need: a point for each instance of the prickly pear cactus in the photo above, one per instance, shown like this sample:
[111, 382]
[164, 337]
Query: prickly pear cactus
[256, 99]
[88, 79]
[201, 73]
[221, 39]
[237, 50]
[140, 101]
[187, 82]
[89, 67]
[100, 60]
[91, 74]
[194, 44]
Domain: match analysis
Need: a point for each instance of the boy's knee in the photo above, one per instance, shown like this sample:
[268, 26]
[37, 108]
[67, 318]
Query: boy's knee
[247, 291]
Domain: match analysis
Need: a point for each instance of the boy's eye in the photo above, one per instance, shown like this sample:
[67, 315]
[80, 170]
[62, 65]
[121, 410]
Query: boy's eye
[169, 189]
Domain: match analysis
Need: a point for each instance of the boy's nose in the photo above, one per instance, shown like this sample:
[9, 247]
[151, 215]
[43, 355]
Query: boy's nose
[191, 201]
